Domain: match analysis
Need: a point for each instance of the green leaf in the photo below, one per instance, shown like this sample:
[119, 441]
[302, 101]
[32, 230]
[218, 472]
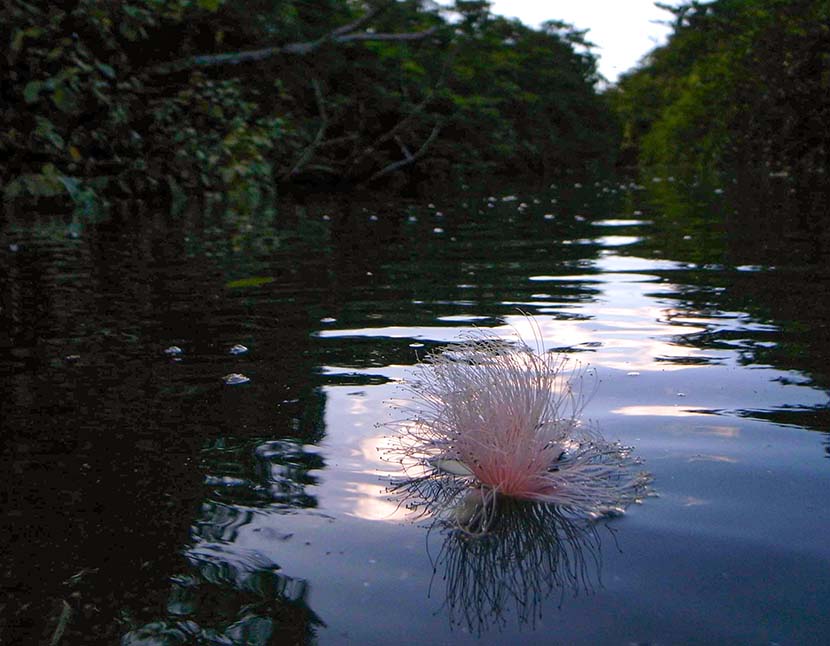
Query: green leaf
[253, 281]
[32, 91]
[71, 184]
[65, 100]
[46, 130]
[209, 5]
[106, 70]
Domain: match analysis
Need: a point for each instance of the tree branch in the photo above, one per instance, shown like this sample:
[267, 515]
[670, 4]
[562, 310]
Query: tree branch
[389, 134]
[308, 153]
[409, 159]
[344, 34]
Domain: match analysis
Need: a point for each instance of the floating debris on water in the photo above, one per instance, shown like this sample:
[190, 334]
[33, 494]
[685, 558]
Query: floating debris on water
[253, 281]
[238, 349]
[328, 319]
[173, 351]
[235, 378]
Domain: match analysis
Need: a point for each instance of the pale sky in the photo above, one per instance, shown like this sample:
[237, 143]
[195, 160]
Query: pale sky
[621, 29]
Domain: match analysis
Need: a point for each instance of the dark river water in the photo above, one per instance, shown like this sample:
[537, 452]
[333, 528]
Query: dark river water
[147, 501]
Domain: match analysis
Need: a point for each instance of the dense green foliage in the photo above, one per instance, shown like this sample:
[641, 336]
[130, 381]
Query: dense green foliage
[739, 83]
[168, 97]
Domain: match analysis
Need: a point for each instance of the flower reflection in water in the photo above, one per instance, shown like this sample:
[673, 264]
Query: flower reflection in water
[531, 551]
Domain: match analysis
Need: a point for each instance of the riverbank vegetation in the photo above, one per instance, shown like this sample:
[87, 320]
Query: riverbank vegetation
[173, 97]
[164, 99]
[740, 84]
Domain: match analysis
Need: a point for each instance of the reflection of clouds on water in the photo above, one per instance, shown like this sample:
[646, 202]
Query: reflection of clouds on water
[230, 593]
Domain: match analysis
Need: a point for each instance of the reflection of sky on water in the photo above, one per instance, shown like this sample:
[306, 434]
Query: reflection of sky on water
[267, 502]
[626, 318]
[344, 548]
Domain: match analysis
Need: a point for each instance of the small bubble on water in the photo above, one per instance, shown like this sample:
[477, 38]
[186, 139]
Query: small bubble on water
[235, 378]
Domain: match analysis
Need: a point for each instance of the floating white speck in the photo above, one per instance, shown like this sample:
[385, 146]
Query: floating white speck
[235, 378]
[416, 345]
[328, 319]
[14, 247]
[238, 349]
[549, 216]
[438, 230]
[633, 373]
[173, 351]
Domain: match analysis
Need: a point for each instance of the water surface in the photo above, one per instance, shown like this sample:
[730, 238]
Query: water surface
[146, 501]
